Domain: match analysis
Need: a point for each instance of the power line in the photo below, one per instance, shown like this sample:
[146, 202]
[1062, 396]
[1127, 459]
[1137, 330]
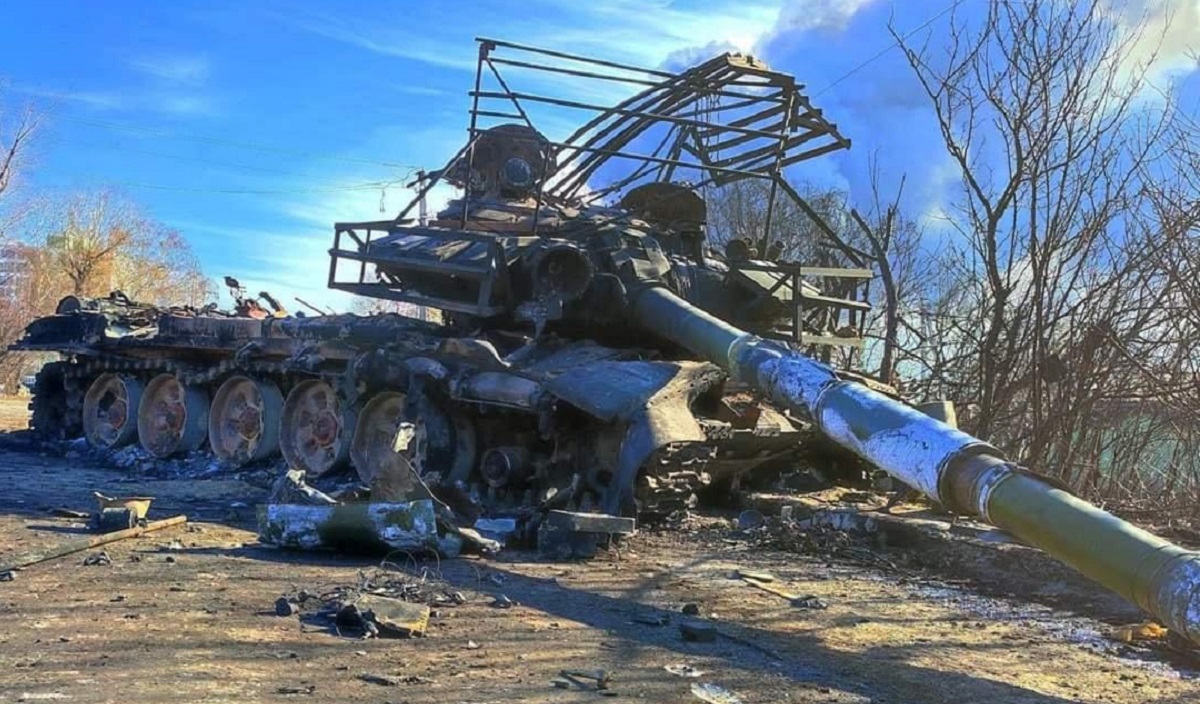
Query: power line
[381, 185]
[206, 139]
[888, 48]
[226, 164]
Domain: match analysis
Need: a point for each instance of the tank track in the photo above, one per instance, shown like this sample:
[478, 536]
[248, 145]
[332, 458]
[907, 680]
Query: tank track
[666, 489]
[56, 407]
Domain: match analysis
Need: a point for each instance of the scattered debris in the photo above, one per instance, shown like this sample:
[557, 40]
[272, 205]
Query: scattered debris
[306, 689]
[652, 619]
[354, 527]
[89, 543]
[99, 558]
[291, 488]
[565, 535]
[349, 618]
[691, 609]
[390, 681]
[450, 545]
[714, 694]
[762, 580]
[284, 607]
[382, 680]
[601, 677]
[698, 632]
[472, 645]
[140, 505]
[683, 670]
[472, 537]
[755, 576]
[810, 601]
[502, 602]
[111, 520]
[1140, 632]
[601, 523]
[393, 616]
[69, 513]
[750, 520]
[8, 575]
[498, 529]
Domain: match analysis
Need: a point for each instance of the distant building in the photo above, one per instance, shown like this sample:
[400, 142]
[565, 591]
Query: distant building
[14, 268]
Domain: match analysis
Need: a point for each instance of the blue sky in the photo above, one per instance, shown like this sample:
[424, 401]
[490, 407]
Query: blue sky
[252, 126]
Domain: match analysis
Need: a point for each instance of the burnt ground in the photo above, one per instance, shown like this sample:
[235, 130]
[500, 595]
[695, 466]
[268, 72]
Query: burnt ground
[187, 615]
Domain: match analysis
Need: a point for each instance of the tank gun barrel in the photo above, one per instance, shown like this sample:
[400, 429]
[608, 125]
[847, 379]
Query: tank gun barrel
[961, 472]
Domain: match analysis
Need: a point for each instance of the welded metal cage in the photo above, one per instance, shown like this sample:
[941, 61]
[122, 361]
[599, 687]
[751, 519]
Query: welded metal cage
[727, 119]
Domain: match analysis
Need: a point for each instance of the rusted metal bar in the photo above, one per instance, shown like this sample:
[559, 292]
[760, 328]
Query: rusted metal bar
[496, 113]
[748, 99]
[625, 131]
[508, 91]
[485, 48]
[34, 558]
[657, 160]
[562, 102]
[574, 57]
[776, 173]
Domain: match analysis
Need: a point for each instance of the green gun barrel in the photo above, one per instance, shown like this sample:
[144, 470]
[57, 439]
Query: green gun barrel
[957, 470]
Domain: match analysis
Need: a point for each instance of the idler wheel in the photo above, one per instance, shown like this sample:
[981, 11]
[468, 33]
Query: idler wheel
[172, 417]
[316, 428]
[372, 450]
[244, 423]
[110, 410]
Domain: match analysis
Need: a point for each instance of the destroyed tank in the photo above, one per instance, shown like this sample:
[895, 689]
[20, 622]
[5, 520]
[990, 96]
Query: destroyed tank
[594, 357]
[536, 389]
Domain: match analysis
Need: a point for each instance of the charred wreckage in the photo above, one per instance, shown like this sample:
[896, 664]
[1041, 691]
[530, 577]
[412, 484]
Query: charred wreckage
[596, 357]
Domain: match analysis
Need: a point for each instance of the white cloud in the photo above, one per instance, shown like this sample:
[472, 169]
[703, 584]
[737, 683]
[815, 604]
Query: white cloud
[180, 104]
[97, 100]
[807, 15]
[1163, 36]
[642, 32]
[163, 102]
[192, 70]
[385, 38]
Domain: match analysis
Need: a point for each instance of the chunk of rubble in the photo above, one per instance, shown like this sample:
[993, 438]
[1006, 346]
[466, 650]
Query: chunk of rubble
[565, 535]
[291, 488]
[357, 527]
[393, 616]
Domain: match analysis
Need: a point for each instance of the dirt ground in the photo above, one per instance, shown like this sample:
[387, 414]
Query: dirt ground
[194, 621]
[14, 412]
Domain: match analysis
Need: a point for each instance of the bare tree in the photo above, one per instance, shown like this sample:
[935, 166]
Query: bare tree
[86, 239]
[1036, 106]
[17, 128]
[158, 266]
[90, 245]
[739, 211]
